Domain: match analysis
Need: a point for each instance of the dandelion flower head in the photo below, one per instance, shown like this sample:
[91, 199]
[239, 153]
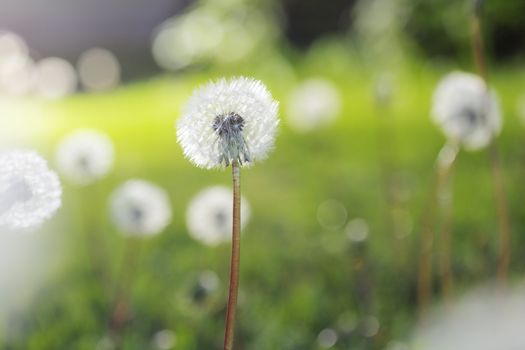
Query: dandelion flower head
[30, 193]
[85, 156]
[140, 208]
[210, 215]
[315, 103]
[466, 110]
[227, 121]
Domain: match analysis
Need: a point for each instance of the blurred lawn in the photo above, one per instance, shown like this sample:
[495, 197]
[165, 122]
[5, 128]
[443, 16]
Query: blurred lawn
[297, 277]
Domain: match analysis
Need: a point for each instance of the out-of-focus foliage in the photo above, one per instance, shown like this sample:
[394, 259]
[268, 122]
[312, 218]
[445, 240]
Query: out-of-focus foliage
[440, 27]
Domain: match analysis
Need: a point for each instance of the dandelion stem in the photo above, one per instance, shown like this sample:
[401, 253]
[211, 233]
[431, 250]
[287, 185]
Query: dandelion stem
[444, 163]
[445, 265]
[503, 214]
[235, 258]
[119, 312]
[499, 188]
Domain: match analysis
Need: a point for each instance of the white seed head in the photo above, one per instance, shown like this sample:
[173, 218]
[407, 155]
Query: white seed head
[226, 121]
[30, 193]
[210, 215]
[140, 208]
[85, 156]
[484, 319]
[466, 110]
[315, 103]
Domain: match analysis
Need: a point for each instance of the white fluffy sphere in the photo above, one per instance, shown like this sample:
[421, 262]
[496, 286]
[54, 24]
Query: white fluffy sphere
[226, 121]
[210, 215]
[140, 208]
[313, 104]
[85, 156]
[466, 110]
[30, 192]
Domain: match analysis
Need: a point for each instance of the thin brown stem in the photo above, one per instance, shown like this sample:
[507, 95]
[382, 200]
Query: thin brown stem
[499, 188]
[444, 163]
[235, 258]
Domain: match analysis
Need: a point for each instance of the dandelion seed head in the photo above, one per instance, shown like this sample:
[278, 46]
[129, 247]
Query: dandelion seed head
[85, 156]
[227, 121]
[315, 103]
[140, 208]
[30, 193]
[466, 111]
[210, 214]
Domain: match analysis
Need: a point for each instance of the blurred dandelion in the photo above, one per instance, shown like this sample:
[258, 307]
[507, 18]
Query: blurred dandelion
[229, 122]
[484, 319]
[469, 115]
[209, 215]
[85, 156]
[466, 112]
[313, 104]
[30, 193]
[140, 208]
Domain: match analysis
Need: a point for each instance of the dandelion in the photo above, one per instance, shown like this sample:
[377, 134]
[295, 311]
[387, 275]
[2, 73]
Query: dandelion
[85, 156]
[466, 111]
[497, 177]
[469, 115]
[229, 122]
[140, 208]
[30, 193]
[313, 104]
[209, 215]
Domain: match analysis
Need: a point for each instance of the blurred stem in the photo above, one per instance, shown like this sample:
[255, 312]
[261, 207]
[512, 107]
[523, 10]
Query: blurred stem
[386, 142]
[444, 163]
[235, 258]
[499, 188]
[94, 244]
[503, 214]
[119, 312]
[477, 45]
[445, 265]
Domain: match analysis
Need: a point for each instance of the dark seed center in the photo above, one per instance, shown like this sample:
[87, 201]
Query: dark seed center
[228, 124]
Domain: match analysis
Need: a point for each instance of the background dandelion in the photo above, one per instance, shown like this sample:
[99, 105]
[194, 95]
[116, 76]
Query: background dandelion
[30, 193]
[209, 215]
[140, 208]
[313, 104]
[85, 156]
